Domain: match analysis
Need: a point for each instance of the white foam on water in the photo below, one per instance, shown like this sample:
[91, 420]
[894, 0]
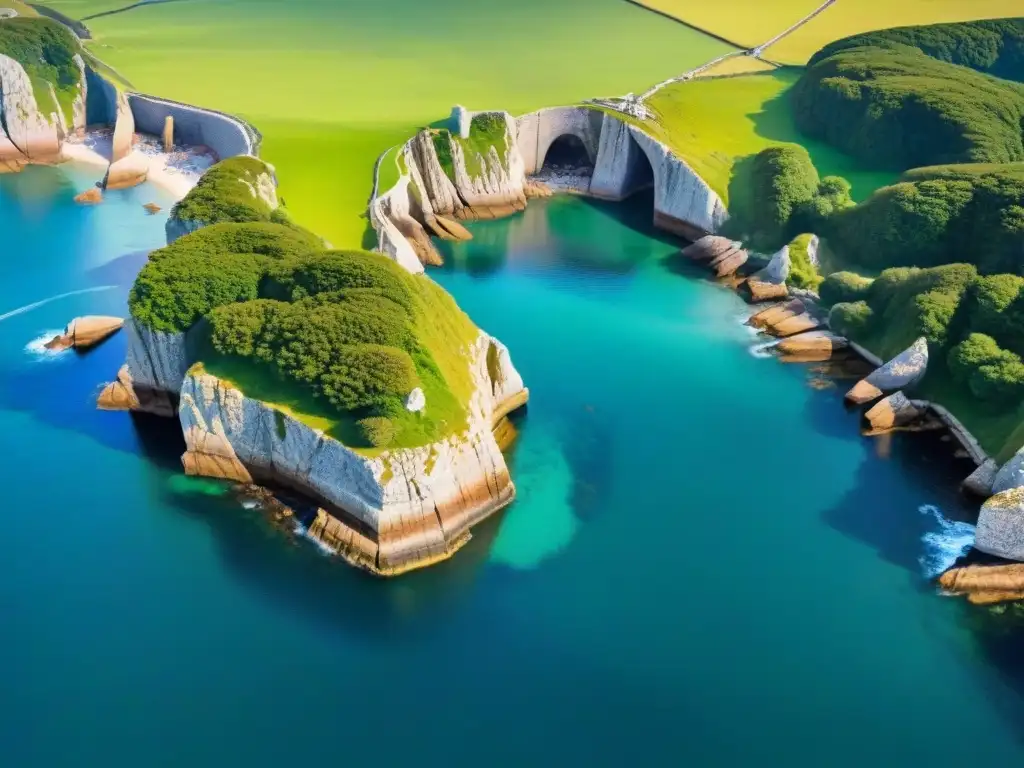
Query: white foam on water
[762, 351]
[250, 504]
[943, 546]
[301, 530]
[37, 347]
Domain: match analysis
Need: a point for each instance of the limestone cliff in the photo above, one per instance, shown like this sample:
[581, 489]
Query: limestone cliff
[27, 133]
[401, 509]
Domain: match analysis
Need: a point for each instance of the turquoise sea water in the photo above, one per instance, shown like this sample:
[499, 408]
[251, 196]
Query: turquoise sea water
[706, 564]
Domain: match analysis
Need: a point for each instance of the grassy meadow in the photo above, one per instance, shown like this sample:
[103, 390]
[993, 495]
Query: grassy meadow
[333, 83]
[717, 124]
[751, 22]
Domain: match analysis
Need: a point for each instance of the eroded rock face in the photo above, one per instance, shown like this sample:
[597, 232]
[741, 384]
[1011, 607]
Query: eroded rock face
[777, 271]
[156, 359]
[26, 133]
[1010, 475]
[903, 371]
[1000, 530]
[416, 504]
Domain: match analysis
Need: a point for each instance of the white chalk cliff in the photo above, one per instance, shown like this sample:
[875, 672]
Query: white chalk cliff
[32, 126]
[625, 159]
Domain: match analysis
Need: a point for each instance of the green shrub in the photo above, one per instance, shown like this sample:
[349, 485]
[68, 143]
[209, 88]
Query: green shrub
[843, 287]
[852, 320]
[970, 354]
[227, 192]
[802, 273]
[782, 178]
[378, 431]
[996, 307]
[1001, 381]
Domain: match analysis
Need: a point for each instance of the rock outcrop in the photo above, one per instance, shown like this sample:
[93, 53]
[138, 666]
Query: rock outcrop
[404, 508]
[91, 196]
[896, 410]
[29, 133]
[1000, 530]
[812, 346]
[157, 361]
[985, 584]
[128, 168]
[903, 371]
[168, 133]
[777, 270]
[1010, 475]
[86, 332]
[981, 481]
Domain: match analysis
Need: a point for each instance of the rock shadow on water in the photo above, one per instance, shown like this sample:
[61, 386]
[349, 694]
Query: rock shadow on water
[120, 271]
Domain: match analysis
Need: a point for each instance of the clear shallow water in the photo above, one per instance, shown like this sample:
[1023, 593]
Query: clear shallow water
[706, 564]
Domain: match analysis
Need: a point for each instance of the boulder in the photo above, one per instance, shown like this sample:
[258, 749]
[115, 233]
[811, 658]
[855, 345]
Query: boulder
[758, 291]
[903, 371]
[767, 318]
[1010, 475]
[86, 332]
[708, 247]
[152, 208]
[981, 481]
[985, 584]
[1000, 530]
[726, 264]
[794, 324]
[813, 343]
[119, 395]
[777, 271]
[91, 196]
[416, 401]
[127, 172]
[894, 411]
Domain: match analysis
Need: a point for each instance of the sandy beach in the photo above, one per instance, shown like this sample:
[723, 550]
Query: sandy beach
[175, 172]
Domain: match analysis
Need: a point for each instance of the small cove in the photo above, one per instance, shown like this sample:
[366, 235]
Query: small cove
[706, 562]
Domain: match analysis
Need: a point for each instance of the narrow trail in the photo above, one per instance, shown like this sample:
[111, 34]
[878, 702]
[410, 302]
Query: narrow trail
[376, 175]
[754, 52]
[41, 302]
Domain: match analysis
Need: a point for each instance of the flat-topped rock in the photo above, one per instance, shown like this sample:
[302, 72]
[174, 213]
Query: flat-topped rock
[894, 411]
[726, 263]
[794, 324]
[1000, 530]
[758, 291]
[986, 584]
[774, 314]
[903, 371]
[85, 332]
[815, 342]
[709, 247]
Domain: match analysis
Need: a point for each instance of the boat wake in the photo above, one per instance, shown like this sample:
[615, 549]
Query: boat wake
[943, 546]
[37, 304]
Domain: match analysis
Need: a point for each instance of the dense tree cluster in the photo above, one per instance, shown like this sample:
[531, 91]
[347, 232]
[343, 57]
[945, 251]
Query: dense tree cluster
[789, 196]
[891, 105]
[974, 324]
[993, 46]
[940, 217]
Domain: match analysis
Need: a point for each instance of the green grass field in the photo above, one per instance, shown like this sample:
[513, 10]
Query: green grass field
[751, 22]
[716, 124]
[333, 83]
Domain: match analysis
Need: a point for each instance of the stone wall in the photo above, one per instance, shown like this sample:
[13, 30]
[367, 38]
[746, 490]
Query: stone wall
[227, 136]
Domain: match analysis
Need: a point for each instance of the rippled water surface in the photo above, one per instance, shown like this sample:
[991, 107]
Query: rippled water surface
[706, 564]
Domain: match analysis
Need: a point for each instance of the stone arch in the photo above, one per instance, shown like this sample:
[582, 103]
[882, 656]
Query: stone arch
[568, 150]
[623, 165]
[537, 131]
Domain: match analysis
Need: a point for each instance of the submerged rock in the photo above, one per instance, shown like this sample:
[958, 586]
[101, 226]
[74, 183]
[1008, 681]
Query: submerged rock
[903, 371]
[152, 208]
[91, 196]
[85, 332]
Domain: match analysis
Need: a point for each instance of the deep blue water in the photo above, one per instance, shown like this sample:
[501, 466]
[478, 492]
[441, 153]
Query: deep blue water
[706, 565]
